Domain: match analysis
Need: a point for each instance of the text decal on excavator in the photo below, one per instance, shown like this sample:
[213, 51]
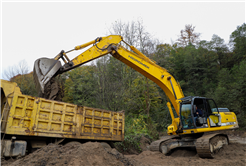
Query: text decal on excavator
[138, 61]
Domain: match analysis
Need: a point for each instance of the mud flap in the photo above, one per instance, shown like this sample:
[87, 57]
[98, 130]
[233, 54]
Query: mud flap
[13, 148]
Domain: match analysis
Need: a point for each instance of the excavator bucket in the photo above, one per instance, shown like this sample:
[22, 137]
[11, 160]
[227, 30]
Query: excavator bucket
[44, 69]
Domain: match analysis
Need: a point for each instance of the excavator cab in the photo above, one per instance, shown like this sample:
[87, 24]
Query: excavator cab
[210, 116]
[190, 119]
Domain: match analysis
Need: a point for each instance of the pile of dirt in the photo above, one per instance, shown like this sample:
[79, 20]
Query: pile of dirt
[144, 143]
[232, 154]
[94, 153]
[71, 154]
[184, 152]
[234, 133]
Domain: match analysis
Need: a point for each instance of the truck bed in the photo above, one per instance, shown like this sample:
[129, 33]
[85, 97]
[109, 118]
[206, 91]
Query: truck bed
[34, 116]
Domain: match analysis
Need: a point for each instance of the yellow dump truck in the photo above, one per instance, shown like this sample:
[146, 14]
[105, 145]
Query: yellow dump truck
[31, 122]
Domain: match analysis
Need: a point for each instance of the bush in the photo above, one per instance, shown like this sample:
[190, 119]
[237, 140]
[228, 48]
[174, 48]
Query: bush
[135, 128]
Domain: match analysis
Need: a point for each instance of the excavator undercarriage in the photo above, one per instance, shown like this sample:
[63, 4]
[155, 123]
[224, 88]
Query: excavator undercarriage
[206, 144]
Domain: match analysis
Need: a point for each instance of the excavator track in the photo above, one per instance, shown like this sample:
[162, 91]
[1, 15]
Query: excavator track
[155, 146]
[208, 145]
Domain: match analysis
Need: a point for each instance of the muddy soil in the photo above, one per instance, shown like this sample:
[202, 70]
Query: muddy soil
[71, 154]
[233, 154]
[94, 153]
[53, 90]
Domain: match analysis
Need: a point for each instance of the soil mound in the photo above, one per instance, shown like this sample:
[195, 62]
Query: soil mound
[144, 143]
[73, 153]
[232, 154]
[184, 152]
[100, 154]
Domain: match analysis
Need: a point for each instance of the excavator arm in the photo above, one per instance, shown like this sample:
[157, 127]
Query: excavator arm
[45, 69]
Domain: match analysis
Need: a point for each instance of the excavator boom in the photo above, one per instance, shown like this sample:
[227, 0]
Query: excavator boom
[45, 69]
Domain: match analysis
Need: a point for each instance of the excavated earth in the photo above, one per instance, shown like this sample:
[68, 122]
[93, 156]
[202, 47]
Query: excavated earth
[95, 153]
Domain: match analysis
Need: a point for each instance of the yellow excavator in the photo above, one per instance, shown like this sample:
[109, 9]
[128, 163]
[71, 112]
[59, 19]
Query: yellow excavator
[187, 130]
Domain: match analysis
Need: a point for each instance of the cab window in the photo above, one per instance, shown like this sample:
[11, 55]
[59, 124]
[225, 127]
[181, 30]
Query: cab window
[186, 118]
[212, 108]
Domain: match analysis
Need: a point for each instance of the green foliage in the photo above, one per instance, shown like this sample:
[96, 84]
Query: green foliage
[135, 128]
[114, 78]
[80, 87]
[161, 118]
[162, 51]
[142, 96]
[131, 144]
[194, 68]
[26, 84]
[238, 39]
[137, 125]
[231, 91]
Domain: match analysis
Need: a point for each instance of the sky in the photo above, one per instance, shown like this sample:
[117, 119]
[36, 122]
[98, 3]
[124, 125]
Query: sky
[32, 30]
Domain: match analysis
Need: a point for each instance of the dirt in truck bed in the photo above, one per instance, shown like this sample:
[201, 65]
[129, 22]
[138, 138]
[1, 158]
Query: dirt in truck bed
[95, 153]
[53, 90]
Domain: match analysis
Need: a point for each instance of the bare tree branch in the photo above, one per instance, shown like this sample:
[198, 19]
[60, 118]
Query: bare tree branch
[188, 36]
[12, 71]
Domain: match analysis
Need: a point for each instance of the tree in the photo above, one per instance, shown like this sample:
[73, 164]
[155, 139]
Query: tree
[161, 53]
[238, 40]
[12, 71]
[218, 46]
[112, 81]
[146, 97]
[231, 91]
[135, 33]
[80, 86]
[194, 68]
[188, 36]
[22, 76]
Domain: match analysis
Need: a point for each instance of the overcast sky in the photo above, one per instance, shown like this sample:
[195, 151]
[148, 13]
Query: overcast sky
[31, 30]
